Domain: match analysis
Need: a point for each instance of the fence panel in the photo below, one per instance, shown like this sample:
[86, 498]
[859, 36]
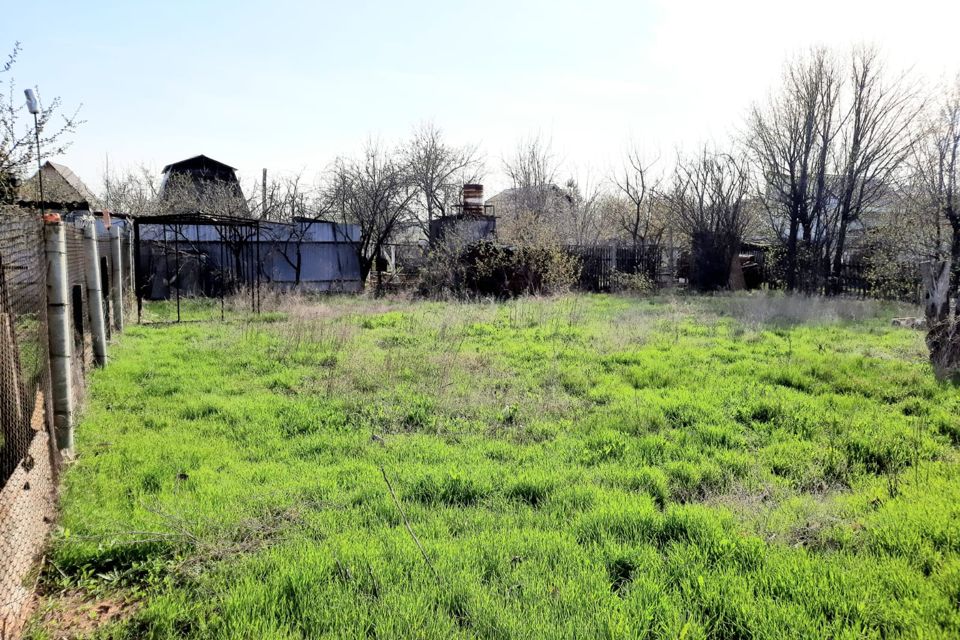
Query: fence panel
[24, 372]
[27, 453]
[26, 471]
[600, 264]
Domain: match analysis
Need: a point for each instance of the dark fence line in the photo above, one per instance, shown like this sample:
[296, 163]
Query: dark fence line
[599, 265]
[856, 279]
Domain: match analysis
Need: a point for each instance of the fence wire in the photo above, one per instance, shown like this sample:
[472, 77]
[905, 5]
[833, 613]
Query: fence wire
[24, 368]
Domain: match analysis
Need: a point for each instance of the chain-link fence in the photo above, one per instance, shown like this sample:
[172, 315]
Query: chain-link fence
[26, 472]
[28, 456]
[24, 368]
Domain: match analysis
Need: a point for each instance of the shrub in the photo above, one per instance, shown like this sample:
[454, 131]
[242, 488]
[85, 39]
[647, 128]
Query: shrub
[631, 283]
[488, 269]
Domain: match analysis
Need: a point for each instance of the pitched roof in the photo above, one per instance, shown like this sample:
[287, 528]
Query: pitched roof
[200, 160]
[74, 181]
[63, 186]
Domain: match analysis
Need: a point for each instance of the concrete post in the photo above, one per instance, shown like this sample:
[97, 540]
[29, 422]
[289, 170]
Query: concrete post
[58, 332]
[98, 326]
[116, 277]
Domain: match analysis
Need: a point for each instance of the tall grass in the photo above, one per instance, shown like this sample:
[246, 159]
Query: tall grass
[573, 467]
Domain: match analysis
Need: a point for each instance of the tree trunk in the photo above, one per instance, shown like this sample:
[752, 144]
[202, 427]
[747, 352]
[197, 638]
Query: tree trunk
[955, 260]
[365, 265]
[943, 338]
[792, 256]
[837, 269]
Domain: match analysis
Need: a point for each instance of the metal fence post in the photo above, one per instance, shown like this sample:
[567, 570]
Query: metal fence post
[58, 331]
[98, 327]
[116, 278]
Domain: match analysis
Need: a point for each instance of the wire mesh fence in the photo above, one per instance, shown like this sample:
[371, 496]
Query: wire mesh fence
[28, 454]
[24, 368]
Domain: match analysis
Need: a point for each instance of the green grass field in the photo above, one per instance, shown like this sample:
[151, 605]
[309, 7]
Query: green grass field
[579, 467]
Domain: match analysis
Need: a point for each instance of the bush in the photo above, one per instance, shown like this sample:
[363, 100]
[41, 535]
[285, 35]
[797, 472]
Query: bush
[489, 269]
[631, 283]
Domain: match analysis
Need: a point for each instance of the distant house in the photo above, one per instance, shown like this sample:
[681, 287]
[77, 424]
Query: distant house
[60, 185]
[548, 199]
[202, 184]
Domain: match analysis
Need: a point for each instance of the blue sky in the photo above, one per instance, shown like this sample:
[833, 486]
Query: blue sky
[290, 85]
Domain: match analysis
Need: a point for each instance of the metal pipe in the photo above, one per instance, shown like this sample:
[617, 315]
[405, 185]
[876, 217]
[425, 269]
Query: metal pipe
[98, 326]
[58, 332]
[223, 273]
[176, 260]
[36, 132]
[116, 276]
[258, 263]
[137, 270]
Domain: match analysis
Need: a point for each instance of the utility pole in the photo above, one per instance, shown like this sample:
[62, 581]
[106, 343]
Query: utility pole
[263, 196]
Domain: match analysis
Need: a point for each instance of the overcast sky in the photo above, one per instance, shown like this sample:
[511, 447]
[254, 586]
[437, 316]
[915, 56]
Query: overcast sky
[290, 85]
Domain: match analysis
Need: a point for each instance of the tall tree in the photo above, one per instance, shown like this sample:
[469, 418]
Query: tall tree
[636, 186]
[133, 191]
[874, 142]
[935, 161]
[376, 193]
[438, 171]
[708, 198]
[532, 171]
[790, 138]
[580, 214]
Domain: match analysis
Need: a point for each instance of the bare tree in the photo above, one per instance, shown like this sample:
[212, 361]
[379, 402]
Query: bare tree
[935, 185]
[132, 192]
[579, 212]
[708, 198]
[375, 193]
[18, 139]
[935, 161]
[438, 171]
[532, 172]
[183, 193]
[874, 142]
[636, 185]
[298, 209]
[790, 138]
